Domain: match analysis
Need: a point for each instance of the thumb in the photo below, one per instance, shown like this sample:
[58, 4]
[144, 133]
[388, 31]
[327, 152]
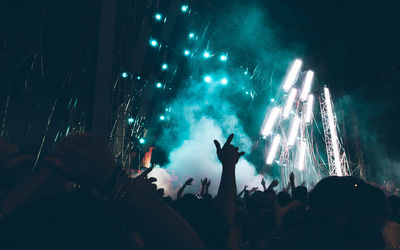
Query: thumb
[217, 145]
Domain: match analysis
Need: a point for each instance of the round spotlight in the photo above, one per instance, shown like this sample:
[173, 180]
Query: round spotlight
[246, 72]
[130, 120]
[142, 140]
[162, 118]
[272, 100]
[224, 81]
[206, 54]
[158, 16]
[138, 77]
[207, 79]
[164, 66]
[191, 35]
[184, 8]
[153, 42]
[124, 75]
[223, 58]
[186, 52]
[159, 85]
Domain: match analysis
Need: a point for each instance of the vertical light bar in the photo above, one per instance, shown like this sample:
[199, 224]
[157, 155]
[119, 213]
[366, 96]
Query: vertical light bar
[302, 155]
[271, 119]
[332, 128]
[274, 149]
[293, 131]
[292, 75]
[309, 108]
[307, 85]
[289, 103]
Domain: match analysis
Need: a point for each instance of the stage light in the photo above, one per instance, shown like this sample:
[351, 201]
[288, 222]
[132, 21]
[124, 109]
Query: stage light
[130, 120]
[307, 85]
[142, 140]
[207, 79]
[302, 155]
[159, 85]
[124, 75]
[191, 35]
[289, 103]
[247, 92]
[164, 66]
[186, 52]
[246, 72]
[332, 128]
[292, 75]
[153, 42]
[184, 8]
[272, 100]
[224, 81]
[270, 121]
[162, 118]
[158, 16]
[310, 103]
[206, 54]
[223, 58]
[138, 77]
[293, 131]
[274, 149]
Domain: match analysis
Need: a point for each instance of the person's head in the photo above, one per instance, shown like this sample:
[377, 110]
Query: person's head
[283, 198]
[300, 193]
[347, 208]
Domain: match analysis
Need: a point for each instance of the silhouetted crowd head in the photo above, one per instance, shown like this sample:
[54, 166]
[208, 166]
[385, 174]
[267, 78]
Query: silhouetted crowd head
[78, 198]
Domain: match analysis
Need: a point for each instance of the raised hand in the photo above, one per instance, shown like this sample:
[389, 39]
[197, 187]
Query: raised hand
[228, 154]
[291, 177]
[273, 184]
[208, 183]
[147, 184]
[203, 182]
[189, 182]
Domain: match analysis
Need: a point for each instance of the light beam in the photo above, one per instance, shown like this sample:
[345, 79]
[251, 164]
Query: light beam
[302, 155]
[332, 128]
[293, 131]
[289, 103]
[274, 149]
[309, 109]
[270, 122]
[307, 85]
[292, 75]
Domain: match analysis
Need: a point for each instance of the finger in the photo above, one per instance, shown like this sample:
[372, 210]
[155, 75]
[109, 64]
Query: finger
[236, 149]
[146, 172]
[241, 153]
[229, 140]
[152, 179]
[217, 145]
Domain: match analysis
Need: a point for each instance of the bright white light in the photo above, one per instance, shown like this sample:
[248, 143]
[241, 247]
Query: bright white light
[158, 16]
[307, 85]
[292, 75]
[206, 54]
[186, 52]
[272, 100]
[274, 148]
[124, 75]
[332, 128]
[153, 42]
[207, 79]
[270, 122]
[184, 8]
[302, 155]
[310, 103]
[162, 118]
[130, 120]
[246, 72]
[293, 131]
[164, 66]
[223, 58]
[289, 103]
[224, 81]
[191, 35]
[138, 77]
[159, 85]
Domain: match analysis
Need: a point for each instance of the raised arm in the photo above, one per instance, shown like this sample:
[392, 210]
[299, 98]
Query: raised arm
[292, 184]
[229, 156]
[187, 183]
[203, 186]
[242, 192]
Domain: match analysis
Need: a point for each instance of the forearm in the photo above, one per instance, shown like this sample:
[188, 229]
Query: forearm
[227, 193]
[180, 192]
[159, 221]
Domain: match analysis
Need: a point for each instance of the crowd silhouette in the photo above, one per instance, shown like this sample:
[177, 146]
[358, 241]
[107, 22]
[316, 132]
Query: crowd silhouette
[77, 198]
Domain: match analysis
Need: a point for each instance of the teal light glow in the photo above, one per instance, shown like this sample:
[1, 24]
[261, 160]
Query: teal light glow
[207, 79]
[206, 54]
[164, 66]
[184, 8]
[153, 42]
[159, 85]
[224, 81]
[130, 120]
[162, 118]
[223, 58]
[142, 140]
[186, 52]
[191, 35]
[158, 16]
[124, 75]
